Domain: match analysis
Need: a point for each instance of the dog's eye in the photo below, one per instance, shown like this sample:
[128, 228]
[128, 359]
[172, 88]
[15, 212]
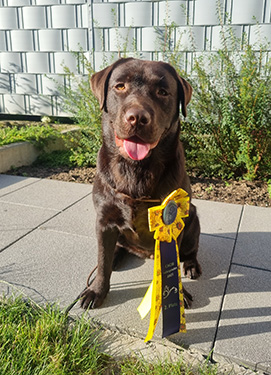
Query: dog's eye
[162, 92]
[120, 87]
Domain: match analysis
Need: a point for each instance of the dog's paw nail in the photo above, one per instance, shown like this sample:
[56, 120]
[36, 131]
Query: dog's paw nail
[192, 271]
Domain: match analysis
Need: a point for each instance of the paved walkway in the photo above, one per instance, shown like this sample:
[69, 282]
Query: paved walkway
[48, 247]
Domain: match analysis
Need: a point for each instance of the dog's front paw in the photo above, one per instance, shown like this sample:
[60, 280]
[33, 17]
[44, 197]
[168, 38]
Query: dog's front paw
[93, 296]
[192, 269]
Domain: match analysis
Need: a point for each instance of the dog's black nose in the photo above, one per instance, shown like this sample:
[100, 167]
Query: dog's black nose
[137, 116]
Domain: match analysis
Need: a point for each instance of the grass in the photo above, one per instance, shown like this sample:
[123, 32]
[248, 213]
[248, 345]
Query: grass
[45, 341]
[35, 340]
[269, 187]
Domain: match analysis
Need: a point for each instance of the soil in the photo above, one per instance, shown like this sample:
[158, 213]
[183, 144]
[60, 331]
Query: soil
[237, 192]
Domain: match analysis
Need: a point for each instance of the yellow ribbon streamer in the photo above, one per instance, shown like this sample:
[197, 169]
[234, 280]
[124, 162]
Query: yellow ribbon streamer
[153, 298]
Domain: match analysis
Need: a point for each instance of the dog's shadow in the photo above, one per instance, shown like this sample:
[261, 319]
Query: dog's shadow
[221, 296]
[215, 257]
[133, 275]
[129, 262]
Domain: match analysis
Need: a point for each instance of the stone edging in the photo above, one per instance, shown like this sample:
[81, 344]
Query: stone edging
[25, 153]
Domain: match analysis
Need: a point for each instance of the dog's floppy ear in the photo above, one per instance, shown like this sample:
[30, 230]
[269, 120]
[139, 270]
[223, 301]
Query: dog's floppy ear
[185, 93]
[99, 82]
[184, 89]
[99, 85]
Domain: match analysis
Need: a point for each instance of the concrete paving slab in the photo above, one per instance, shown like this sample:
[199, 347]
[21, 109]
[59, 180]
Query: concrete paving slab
[9, 184]
[254, 239]
[119, 345]
[214, 256]
[50, 194]
[52, 261]
[17, 220]
[218, 218]
[53, 266]
[244, 332]
[79, 219]
[48, 266]
[128, 287]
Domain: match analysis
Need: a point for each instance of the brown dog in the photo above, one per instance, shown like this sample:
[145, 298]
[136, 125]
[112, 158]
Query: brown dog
[141, 159]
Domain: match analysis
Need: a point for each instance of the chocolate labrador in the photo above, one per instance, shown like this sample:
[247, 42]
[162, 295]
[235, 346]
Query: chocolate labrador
[140, 162]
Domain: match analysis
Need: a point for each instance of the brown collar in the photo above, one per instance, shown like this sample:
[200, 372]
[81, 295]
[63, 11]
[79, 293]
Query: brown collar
[141, 199]
[148, 200]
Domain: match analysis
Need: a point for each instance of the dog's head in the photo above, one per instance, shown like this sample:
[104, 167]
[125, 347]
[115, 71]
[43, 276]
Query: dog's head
[141, 100]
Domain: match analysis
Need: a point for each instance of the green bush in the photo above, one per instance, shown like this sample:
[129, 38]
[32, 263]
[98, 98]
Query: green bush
[229, 117]
[80, 102]
[38, 135]
[228, 131]
[55, 159]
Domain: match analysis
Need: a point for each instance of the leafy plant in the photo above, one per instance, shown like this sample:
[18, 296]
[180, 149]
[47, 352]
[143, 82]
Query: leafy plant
[230, 113]
[38, 135]
[80, 102]
[123, 41]
[227, 132]
[58, 158]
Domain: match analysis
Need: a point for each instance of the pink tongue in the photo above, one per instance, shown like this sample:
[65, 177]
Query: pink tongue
[136, 149]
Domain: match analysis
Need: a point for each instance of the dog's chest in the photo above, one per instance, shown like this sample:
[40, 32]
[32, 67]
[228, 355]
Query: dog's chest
[141, 226]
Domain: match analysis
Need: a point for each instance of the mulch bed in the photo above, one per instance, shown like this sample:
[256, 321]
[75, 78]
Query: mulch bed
[237, 192]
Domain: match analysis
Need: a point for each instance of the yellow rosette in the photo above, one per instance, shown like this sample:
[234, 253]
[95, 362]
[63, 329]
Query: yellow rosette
[166, 290]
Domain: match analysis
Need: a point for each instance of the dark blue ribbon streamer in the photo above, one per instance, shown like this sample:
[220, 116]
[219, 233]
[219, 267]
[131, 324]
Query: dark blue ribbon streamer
[170, 288]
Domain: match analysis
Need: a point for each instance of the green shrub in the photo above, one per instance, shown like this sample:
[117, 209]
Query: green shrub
[229, 118]
[38, 135]
[58, 158]
[80, 102]
[227, 133]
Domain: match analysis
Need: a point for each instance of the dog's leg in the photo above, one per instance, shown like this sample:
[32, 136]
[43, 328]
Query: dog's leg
[94, 295]
[189, 245]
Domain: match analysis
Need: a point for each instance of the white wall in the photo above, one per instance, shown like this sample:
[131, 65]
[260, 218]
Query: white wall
[36, 37]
